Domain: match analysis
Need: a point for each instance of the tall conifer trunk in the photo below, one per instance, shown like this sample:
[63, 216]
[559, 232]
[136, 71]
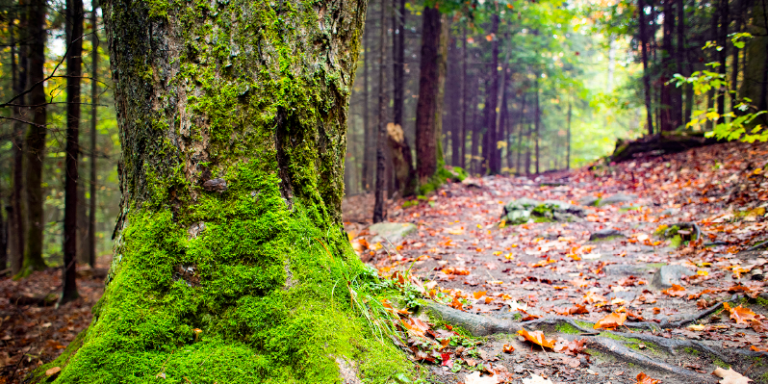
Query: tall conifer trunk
[230, 241]
[35, 139]
[427, 130]
[16, 221]
[91, 241]
[74, 25]
[490, 154]
[646, 74]
[379, 208]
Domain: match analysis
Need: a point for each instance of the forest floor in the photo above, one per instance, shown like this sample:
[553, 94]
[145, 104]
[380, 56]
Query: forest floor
[666, 305]
[649, 297]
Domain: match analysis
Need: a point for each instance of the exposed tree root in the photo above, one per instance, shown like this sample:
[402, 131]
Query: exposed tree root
[621, 352]
[679, 323]
[611, 344]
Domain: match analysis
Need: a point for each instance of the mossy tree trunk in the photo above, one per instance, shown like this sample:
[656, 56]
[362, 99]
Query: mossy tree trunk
[231, 264]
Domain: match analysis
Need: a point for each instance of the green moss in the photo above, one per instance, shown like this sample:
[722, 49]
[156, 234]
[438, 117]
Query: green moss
[517, 316]
[250, 298]
[606, 239]
[676, 241]
[630, 342]
[692, 351]
[720, 363]
[762, 302]
[655, 265]
[583, 324]
[567, 328]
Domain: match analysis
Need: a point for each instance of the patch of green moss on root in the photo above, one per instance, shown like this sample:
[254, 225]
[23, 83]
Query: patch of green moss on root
[261, 294]
[630, 342]
[567, 328]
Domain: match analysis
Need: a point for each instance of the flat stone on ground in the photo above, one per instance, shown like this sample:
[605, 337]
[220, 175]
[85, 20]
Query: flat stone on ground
[670, 274]
[605, 234]
[618, 199]
[391, 232]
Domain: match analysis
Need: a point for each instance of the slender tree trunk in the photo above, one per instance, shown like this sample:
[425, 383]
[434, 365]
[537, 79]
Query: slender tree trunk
[490, 153]
[521, 127]
[568, 140]
[379, 208]
[537, 123]
[94, 120]
[16, 214]
[723, 55]
[712, 95]
[735, 60]
[669, 67]
[230, 239]
[35, 140]
[680, 50]
[528, 136]
[398, 61]
[463, 128]
[74, 25]
[646, 74]
[368, 133]
[427, 136]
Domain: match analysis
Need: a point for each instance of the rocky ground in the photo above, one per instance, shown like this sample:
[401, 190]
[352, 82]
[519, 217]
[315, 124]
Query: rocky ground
[649, 267]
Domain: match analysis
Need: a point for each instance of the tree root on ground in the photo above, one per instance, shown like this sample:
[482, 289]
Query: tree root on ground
[613, 343]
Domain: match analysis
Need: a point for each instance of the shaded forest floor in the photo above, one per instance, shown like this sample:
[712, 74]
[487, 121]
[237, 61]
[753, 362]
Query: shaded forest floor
[664, 290]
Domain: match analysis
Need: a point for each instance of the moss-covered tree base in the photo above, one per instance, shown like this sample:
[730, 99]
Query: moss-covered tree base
[245, 290]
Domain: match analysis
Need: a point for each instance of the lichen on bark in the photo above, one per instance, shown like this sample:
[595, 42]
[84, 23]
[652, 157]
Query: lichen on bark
[231, 263]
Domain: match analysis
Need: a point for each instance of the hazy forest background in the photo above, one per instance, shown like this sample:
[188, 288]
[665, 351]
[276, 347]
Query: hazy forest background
[528, 87]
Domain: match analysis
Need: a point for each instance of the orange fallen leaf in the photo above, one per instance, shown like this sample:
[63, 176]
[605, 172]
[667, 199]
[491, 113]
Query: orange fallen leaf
[479, 294]
[611, 321]
[537, 337]
[642, 378]
[508, 348]
[741, 315]
[675, 291]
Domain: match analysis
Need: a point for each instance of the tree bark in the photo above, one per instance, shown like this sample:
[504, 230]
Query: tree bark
[537, 123]
[568, 140]
[735, 59]
[646, 74]
[680, 56]
[723, 55]
[35, 139]
[379, 208]
[91, 241]
[16, 219]
[755, 79]
[670, 107]
[521, 127]
[463, 128]
[490, 153]
[369, 137]
[230, 253]
[427, 124]
[74, 37]
[400, 150]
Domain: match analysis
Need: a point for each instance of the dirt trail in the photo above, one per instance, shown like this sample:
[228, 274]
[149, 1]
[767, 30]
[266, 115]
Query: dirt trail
[649, 269]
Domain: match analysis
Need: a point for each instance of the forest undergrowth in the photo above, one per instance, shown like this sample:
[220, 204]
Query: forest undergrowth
[651, 269]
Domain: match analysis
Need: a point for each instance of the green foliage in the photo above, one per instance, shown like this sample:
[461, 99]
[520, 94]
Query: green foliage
[741, 124]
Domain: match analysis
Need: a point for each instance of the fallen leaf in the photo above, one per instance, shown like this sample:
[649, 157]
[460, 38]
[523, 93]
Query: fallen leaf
[537, 337]
[730, 376]
[612, 321]
[535, 379]
[508, 348]
[674, 291]
[52, 371]
[642, 378]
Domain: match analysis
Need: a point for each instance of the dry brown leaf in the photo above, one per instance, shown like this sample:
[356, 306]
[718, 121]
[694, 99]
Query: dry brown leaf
[675, 291]
[52, 371]
[730, 376]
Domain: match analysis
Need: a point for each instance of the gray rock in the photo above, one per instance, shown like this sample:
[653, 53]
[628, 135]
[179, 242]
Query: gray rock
[627, 296]
[526, 210]
[670, 274]
[617, 199]
[391, 232]
[604, 234]
[624, 270]
[588, 201]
